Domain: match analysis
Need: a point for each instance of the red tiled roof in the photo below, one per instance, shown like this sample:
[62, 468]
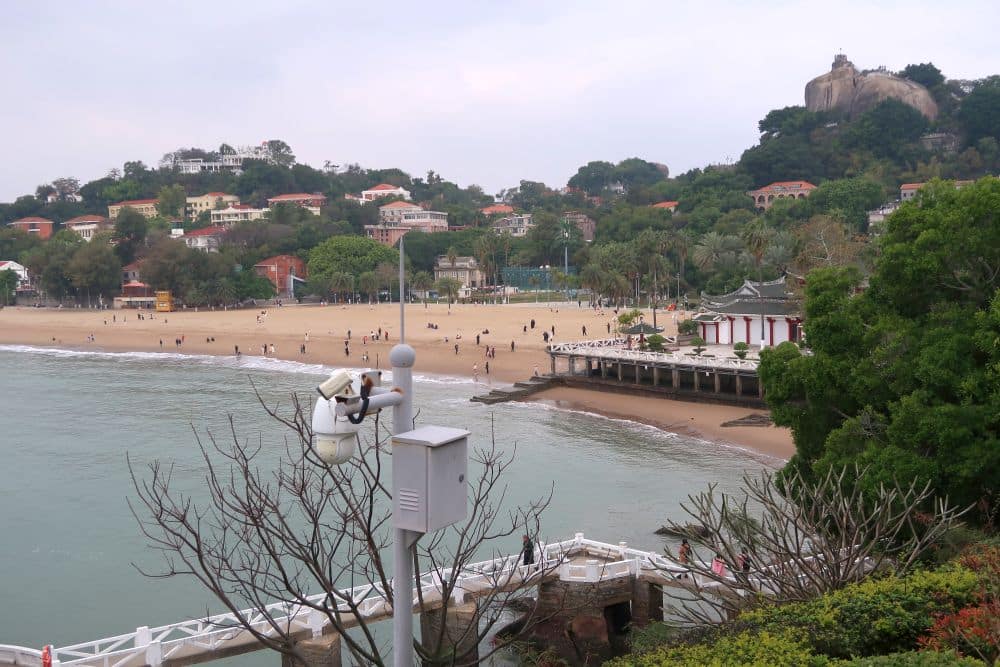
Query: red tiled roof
[911, 186]
[135, 202]
[206, 231]
[384, 186]
[666, 204]
[215, 194]
[83, 219]
[497, 208]
[295, 197]
[33, 218]
[134, 283]
[787, 184]
[277, 258]
[134, 266]
[400, 204]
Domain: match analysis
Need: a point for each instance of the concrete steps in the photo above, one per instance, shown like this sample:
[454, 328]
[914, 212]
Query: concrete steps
[518, 391]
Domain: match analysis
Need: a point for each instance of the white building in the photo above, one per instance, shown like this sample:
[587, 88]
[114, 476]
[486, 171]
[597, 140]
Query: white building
[379, 191]
[515, 225]
[393, 212]
[232, 162]
[228, 217]
[205, 240]
[753, 312]
[23, 280]
[88, 225]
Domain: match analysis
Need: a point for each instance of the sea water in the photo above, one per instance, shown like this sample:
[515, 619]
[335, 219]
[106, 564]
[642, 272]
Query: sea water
[71, 422]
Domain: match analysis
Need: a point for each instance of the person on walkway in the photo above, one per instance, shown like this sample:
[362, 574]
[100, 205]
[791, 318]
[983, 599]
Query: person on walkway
[527, 550]
[684, 556]
[719, 566]
[744, 562]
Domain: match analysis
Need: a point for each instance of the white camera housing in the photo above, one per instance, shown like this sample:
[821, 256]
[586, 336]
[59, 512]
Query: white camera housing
[334, 438]
[338, 384]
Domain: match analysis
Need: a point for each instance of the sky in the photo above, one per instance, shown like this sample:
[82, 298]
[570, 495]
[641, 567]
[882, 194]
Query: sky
[480, 92]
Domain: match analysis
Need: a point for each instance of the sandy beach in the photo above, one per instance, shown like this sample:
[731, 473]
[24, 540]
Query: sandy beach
[324, 329]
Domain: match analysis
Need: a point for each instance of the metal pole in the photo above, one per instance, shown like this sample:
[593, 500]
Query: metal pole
[566, 262]
[402, 358]
[402, 314]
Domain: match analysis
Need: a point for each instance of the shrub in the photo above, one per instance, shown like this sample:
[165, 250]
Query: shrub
[876, 616]
[687, 327]
[912, 659]
[699, 345]
[655, 343]
[741, 349]
[785, 648]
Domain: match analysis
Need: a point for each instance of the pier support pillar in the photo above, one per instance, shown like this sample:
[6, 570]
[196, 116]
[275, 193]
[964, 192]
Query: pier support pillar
[571, 363]
[590, 366]
[553, 364]
[675, 378]
[638, 374]
[620, 378]
[760, 387]
[647, 603]
[739, 385]
[459, 644]
[718, 382]
[604, 368]
[584, 618]
[697, 380]
[656, 375]
[321, 651]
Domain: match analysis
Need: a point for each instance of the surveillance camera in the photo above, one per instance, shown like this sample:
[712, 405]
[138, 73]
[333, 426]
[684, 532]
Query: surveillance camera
[334, 439]
[338, 384]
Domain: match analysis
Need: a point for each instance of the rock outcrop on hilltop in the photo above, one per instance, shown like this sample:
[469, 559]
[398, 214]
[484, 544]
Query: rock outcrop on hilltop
[846, 89]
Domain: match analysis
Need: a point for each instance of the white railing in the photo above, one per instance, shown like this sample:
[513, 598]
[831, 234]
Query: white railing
[191, 639]
[663, 358]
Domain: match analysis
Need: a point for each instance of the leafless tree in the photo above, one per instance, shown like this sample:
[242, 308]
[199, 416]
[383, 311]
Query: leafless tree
[305, 534]
[802, 538]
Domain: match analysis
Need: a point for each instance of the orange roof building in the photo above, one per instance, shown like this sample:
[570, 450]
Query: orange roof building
[668, 205]
[35, 226]
[497, 209]
[763, 198]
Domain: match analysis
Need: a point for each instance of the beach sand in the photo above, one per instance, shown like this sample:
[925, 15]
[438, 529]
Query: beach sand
[327, 328]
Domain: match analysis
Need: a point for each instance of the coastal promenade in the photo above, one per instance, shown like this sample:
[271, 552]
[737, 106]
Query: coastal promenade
[612, 574]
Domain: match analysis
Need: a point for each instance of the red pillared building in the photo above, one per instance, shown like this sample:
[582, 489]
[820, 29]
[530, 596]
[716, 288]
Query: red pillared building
[35, 226]
[277, 269]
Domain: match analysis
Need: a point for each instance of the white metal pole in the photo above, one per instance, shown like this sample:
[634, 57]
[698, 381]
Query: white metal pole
[402, 357]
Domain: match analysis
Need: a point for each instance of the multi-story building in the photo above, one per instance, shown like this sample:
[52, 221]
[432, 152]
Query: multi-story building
[35, 226]
[232, 162]
[281, 270]
[88, 225]
[21, 271]
[908, 191]
[145, 207]
[209, 201]
[205, 240]
[238, 213]
[385, 190]
[464, 269]
[582, 222]
[310, 202]
[765, 197]
[405, 221]
[393, 212]
[516, 225]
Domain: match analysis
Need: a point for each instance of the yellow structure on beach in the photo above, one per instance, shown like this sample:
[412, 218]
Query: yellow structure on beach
[164, 301]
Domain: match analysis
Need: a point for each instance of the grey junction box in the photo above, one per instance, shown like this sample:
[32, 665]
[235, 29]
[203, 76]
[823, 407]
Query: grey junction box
[430, 467]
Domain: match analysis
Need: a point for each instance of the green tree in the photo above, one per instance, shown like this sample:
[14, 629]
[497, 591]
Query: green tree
[926, 74]
[130, 233]
[171, 265]
[368, 285]
[593, 177]
[281, 153]
[902, 377]
[350, 254]
[95, 270]
[887, 129]
[171, 201]
[980, 111]
[8, 287]
[848, 198]
[449, 287]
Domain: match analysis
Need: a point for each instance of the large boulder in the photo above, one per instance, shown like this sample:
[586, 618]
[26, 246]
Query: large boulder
[846, 89]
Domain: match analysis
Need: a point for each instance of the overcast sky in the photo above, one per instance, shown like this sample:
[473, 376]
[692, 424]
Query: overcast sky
[481, 92]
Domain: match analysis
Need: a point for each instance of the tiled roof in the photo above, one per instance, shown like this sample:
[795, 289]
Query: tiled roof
[278, 258]
[206, 231]
[911, 186]
[804, 185]
[136, 202]
[216, 194]
[400, 204]
[295, 197]
[33, 218]
[666, 204]
[497, 208]
[385, 186]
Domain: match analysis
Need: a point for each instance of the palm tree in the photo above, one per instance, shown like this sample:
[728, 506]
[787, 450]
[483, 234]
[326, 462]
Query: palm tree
[368, 284]
[342, 283]
[715, 249]
[593, 277]
[422, 281]
[449, 287]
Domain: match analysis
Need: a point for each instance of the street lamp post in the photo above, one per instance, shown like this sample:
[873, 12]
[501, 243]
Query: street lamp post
[566, 261]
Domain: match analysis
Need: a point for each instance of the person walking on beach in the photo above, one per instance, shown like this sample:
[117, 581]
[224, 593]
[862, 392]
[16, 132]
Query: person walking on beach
[536, 370]
[684, 556]
[584, 329]
[527, 550]
[487, 368]
[511, 346]
[475, 373]
[477, 339]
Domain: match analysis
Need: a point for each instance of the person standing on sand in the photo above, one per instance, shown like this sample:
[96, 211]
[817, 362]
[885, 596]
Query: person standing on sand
[487, 368]
[456, 348]
[236, 349]
[511, 346]
[536, 370]
[475, 373]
